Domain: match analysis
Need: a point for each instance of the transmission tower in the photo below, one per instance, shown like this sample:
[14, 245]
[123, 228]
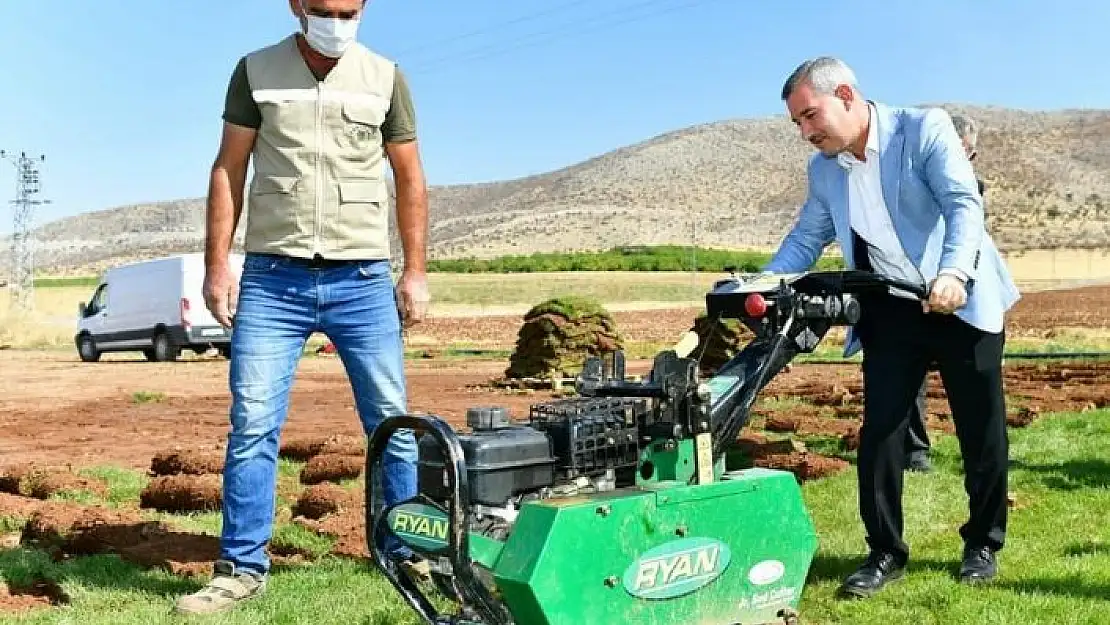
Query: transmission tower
[21, 285]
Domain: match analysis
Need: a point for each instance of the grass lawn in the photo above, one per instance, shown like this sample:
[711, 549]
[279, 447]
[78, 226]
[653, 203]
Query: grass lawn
[1056, 568]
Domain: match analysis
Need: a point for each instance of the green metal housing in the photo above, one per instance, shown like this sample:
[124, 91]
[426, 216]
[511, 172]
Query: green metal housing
[735, 551]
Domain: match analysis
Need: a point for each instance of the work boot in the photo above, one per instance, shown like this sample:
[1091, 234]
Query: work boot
[227, 589]
[979, 565]
[876, 572]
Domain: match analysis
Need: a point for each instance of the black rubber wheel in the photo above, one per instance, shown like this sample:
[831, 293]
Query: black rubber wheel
[164, 349]
[87, 350]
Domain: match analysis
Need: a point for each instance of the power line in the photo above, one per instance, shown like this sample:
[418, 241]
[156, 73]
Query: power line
[28, 186]
[580, 26]
[543, 36]
[492, 27]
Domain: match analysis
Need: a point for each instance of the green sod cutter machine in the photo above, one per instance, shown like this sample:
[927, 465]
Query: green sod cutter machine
[615, 507]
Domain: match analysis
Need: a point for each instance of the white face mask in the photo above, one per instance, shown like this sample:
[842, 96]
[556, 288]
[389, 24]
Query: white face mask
[331, 36]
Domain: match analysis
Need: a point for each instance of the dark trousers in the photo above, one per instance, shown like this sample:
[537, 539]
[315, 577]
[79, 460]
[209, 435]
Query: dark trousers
[917, 436]
[899, 342]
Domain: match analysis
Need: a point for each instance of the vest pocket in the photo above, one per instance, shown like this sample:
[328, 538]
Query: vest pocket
[272, 210]
[362, 219]
[357, 130]
[267, 185]
[364, 113]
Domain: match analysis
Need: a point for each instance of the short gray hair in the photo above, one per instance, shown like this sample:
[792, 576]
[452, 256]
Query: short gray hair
[825, 73]
[966, 128]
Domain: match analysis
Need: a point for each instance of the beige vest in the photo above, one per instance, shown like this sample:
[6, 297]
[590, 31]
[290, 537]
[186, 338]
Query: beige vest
[319, 183]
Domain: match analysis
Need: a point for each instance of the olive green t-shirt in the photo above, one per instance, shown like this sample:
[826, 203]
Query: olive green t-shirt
[241, 109]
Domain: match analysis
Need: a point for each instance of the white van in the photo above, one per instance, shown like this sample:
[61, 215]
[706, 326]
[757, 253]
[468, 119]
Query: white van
[155, 307]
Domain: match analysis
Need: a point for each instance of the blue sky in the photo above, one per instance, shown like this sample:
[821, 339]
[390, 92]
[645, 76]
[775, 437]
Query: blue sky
[124, 97]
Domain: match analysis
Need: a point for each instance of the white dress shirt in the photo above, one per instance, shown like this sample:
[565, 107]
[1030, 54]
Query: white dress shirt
[870, 216]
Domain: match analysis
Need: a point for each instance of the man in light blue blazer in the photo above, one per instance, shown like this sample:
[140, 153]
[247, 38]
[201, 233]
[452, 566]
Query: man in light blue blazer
[895, 189]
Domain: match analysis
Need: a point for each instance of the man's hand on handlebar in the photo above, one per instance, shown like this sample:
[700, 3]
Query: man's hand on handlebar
[946, 295]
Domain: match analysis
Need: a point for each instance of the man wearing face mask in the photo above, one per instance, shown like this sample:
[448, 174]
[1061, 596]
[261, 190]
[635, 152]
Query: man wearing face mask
[320, 115]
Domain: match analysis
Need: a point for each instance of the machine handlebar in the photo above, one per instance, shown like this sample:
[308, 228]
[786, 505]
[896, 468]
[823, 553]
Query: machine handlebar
[847, 282]
[850, 282]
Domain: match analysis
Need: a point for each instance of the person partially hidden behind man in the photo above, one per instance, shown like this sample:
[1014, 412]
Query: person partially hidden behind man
[895, 189]
[917, 434]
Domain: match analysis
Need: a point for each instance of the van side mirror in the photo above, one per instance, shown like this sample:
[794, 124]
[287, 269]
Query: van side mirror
[81, 308]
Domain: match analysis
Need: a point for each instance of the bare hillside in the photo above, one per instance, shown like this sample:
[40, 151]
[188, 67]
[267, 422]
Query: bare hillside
[732, 184]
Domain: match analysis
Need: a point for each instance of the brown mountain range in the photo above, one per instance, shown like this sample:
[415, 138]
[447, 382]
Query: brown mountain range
[733, 183]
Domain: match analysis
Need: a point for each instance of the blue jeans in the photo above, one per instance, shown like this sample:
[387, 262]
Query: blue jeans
[281, 303]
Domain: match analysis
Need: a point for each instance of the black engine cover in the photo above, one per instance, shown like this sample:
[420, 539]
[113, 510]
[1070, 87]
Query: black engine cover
[501, 462]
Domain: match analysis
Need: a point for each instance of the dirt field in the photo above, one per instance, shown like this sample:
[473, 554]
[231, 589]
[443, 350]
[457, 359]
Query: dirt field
[1035, 314]
[54, 408]
[127, 412]
[171, 420]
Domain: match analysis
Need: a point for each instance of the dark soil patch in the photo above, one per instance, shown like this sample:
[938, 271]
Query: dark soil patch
[180, 553]
[345, 446]
[320, 500]
[332, 468]
[12, 477]
[839, 397]
[306, 448]
[811, 426]
[805, 466]
[781, 424]
[72, 528]
[1084, 399]
[16, 507]
[940, 421]
[1022, 418]
[183, 493]
[755, 445]
[850, 441]
[187, 462]
[827, 427]
[820, 393]
[302, 449]
[749, 442]
[100, 536]
[348, 529]
[41, 593]
[69, 530]
[42, 482]
[46, 484]
[849, 412]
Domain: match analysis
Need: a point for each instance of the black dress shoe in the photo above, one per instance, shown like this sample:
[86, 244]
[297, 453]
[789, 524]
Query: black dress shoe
[979, 565]
[877, 571]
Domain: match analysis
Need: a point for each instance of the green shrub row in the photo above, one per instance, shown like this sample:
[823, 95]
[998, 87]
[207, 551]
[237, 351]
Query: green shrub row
[637, 258]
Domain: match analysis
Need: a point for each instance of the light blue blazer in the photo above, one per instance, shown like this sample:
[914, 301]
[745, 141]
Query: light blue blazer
[933, 197]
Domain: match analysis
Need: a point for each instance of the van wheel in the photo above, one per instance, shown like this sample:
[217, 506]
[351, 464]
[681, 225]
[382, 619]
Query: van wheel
[164, 350]
[87, 350]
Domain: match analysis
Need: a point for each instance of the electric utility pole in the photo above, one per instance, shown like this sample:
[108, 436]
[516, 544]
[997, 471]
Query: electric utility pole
[21, 285]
